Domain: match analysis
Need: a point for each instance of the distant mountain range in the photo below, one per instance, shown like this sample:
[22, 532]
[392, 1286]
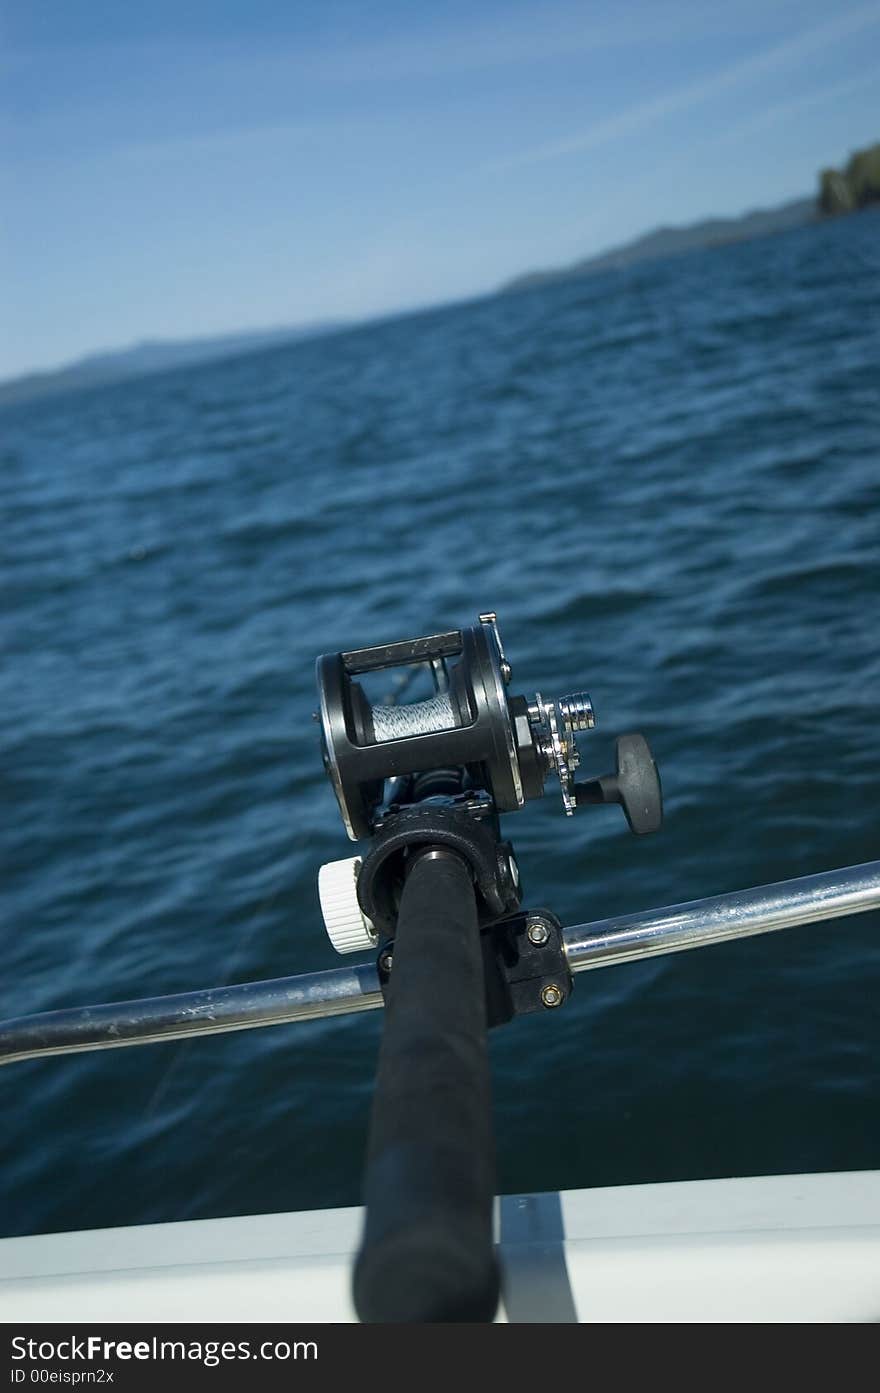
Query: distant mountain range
[669, 241]
[158, 355]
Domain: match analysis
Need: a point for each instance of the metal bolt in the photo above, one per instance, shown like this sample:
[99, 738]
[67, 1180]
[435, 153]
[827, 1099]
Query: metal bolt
[387, 961]
[538, 933]
[551, 995]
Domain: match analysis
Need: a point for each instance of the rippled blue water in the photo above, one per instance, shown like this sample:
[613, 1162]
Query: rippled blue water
[667, 482]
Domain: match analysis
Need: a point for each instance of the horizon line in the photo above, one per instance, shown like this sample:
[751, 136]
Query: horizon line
[319, 327]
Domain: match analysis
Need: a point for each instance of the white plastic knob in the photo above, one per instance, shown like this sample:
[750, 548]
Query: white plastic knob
[349, 929]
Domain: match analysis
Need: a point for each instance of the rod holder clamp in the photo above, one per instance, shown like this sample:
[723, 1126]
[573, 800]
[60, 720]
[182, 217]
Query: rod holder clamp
[420, 826]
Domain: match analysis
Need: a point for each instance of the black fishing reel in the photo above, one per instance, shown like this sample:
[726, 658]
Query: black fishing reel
[440, 770]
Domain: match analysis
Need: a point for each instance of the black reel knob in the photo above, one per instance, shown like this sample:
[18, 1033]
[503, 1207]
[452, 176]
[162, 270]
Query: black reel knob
[635, 785]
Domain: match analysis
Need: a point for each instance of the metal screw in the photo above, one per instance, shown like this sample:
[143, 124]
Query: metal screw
[538, 933]
[551, 995]
[387, 961]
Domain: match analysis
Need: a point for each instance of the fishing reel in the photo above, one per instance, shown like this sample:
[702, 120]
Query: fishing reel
[440, 770]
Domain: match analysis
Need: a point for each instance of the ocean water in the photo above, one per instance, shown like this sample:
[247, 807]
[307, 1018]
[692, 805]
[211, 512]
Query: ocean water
[667, 483]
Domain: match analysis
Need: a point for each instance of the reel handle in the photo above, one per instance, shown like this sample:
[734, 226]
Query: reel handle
[427, 1252]
[635, 785]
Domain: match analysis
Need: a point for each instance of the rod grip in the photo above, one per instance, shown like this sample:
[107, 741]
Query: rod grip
[427, 1252]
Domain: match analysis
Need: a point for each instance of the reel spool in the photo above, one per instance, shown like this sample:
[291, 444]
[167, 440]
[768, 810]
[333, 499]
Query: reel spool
[465, 726]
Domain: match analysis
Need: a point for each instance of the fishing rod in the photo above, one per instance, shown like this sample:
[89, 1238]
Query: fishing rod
[435, 897]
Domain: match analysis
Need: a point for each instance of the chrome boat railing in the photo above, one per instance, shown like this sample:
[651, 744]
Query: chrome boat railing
[339, 991]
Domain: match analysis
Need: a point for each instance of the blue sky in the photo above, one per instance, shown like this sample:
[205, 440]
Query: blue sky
[177, 169]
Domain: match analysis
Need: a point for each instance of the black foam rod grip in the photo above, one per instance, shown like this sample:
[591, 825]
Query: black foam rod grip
[427, 1252]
